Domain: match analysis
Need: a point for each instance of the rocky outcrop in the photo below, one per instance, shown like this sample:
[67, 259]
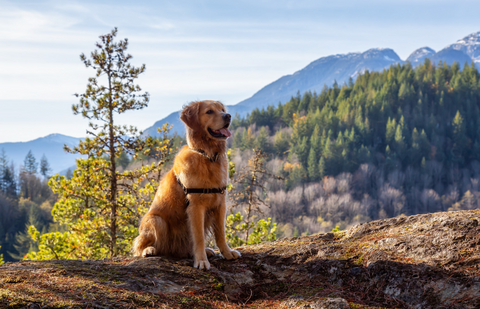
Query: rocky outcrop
[422, 261]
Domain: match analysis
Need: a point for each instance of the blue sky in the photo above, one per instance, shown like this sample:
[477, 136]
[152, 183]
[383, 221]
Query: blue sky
[222, 50]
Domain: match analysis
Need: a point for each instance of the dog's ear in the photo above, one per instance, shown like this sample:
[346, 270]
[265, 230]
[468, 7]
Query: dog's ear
[190, 113]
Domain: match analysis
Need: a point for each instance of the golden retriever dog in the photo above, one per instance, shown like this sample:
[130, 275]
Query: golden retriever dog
[178, 221]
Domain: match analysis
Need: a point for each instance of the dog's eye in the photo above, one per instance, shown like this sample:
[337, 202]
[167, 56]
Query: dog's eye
[210, 111]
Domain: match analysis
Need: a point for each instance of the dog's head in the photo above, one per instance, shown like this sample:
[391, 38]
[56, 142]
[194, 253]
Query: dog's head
[208, 117]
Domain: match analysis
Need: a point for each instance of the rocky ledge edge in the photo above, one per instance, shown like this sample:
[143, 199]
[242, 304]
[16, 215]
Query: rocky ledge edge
[421, 261]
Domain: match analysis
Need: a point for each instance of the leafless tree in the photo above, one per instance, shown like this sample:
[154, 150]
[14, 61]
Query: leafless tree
[391, 200]
[251, 181]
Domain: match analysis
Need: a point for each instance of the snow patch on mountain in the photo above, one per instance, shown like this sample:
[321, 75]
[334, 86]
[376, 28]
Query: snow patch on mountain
[470, 45]
[419, 55]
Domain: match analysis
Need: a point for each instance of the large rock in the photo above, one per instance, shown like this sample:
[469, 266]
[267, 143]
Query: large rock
[422, 261]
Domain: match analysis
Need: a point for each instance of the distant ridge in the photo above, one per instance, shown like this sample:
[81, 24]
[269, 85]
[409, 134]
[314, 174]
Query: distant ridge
[323, 71]
[50, 145]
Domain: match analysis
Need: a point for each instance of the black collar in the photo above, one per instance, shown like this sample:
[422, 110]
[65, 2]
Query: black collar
[203, 153]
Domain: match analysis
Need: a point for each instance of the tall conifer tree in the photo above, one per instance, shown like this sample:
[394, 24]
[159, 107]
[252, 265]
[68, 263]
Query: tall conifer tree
[101, 205]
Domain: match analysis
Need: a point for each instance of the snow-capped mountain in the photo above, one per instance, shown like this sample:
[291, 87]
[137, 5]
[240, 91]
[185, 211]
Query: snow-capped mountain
[470, 45]
[321, 72]
[464, 50]
[341, 68]
[324, 71]
[419, 55]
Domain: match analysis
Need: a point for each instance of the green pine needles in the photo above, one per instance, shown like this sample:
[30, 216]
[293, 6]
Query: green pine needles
[394, 119]
[101, 204]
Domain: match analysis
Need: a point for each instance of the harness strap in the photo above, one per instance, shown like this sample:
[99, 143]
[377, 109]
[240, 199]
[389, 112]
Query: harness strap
[213, 159]
[197, 190]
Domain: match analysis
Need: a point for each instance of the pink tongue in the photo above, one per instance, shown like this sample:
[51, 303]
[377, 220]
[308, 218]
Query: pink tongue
[225, 132]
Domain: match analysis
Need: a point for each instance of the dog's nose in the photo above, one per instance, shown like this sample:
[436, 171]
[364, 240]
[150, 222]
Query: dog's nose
[227, 117]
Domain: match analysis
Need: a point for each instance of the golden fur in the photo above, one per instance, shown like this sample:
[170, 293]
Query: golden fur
[170, 227]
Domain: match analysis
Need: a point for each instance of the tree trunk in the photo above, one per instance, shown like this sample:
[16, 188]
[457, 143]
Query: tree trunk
[113, 176]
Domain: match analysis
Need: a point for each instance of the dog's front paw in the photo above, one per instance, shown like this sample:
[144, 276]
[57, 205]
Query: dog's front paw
[202, 264]
[149, 251]
[231, 254]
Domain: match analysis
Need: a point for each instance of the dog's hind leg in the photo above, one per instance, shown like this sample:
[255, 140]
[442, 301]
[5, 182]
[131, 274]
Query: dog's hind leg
[209, 252]
[147, 242]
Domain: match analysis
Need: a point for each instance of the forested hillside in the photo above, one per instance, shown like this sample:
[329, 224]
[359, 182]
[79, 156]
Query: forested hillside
[402, 141]
[25, 199]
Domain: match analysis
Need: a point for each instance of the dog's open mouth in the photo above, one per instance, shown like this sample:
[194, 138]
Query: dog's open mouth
[221, 133]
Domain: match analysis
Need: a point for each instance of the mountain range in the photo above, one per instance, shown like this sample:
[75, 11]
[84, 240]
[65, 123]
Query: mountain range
[339, 68]
[324, 71]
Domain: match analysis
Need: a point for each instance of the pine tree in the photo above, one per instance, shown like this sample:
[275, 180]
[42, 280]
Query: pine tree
[390, 159]
[329, 155]
[390, 130]
[281, 143]
[3, 170]
[23, 243]
[424, 145]
[247, 139]
[30, 163]
[313, 165]
[363, 155]
[9, 181]
[459, 136]
[315, 140]
[302, 151]
[237, 140]
[399, 143]
[262, 141]
[45, 167]
[414, 152]
[100, 205]
[29, 183]
[321, 168]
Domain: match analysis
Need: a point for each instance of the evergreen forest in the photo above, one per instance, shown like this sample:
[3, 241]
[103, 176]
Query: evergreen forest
[399, 142]
[402, 141]
[25, 199]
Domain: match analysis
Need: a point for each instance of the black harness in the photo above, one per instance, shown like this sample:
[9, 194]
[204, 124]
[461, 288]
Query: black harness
[201, 190]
